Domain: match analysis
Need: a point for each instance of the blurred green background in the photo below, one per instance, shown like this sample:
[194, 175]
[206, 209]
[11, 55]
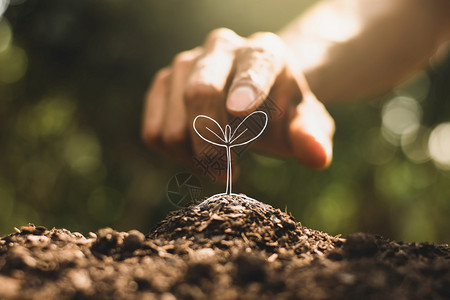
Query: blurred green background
[72, 78]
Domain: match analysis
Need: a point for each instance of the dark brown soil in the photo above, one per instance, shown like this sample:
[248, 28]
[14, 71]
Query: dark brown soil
[228, 247]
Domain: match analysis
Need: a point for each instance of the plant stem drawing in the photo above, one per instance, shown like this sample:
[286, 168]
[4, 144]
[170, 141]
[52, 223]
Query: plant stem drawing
[244, 133]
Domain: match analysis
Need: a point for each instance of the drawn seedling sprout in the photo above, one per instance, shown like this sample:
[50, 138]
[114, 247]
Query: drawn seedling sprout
[249, 129]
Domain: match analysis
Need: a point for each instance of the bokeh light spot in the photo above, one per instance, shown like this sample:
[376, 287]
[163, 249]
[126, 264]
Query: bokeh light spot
[55, 114]
[394, 180]
[334, 210]
[48, 118]
[14, 64]
[82, 152]
[439, 146]
[415, 146]
[401, 115]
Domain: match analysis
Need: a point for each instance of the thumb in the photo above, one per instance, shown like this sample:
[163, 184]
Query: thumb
[256, 66]
[311, 132]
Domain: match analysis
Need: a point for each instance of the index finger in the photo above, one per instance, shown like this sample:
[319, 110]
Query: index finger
[257, 66]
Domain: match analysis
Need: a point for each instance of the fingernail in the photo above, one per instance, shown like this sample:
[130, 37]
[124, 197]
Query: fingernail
[328, 149]
[241, 98]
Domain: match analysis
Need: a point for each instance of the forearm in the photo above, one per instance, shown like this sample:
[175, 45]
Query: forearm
[358, 48]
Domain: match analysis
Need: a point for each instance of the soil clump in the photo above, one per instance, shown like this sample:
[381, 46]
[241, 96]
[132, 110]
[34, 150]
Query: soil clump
[227, 247]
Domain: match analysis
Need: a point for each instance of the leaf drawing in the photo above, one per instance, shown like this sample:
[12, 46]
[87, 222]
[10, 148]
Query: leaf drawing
[211, 130]
[249, 129]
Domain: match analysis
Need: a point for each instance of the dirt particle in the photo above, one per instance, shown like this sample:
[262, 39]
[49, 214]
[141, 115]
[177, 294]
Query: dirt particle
[133, 240]
[80, 279]
[347, 278]
[249, 268]
[360, 244]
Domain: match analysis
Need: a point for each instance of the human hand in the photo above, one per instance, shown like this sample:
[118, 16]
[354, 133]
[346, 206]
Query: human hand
[232, 76]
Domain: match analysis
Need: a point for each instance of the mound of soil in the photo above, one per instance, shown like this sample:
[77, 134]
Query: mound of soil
[227, 247]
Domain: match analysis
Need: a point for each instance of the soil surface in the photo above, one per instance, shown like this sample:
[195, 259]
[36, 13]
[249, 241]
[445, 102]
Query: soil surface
[227, 247]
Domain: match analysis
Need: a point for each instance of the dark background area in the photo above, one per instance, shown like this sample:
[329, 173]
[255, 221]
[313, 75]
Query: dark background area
[73, 75]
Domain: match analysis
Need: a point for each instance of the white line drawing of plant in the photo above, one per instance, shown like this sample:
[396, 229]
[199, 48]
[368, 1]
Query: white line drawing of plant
[228, 140]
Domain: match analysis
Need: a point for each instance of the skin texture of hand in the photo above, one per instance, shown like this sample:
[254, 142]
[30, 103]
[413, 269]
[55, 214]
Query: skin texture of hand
[232, 76]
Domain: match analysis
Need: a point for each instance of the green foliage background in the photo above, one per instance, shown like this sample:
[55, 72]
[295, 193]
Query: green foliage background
[72, 78]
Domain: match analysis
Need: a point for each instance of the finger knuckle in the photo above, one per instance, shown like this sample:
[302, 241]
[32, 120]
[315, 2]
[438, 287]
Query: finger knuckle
[222, 34]
[197, 93]
[173, 138]
[266, 42]
[162, 75]
[183, 59]
[268, 37]
[150, 136]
